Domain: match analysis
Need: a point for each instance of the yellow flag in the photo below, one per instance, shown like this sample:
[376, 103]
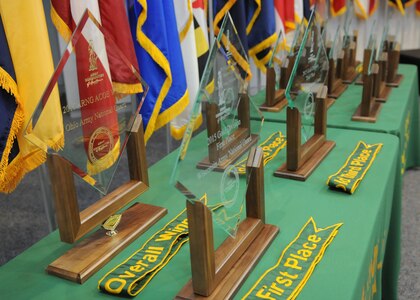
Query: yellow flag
[26, 32]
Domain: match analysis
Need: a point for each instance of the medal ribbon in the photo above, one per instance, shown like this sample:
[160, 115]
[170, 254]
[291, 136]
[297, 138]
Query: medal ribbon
[350, 175]
[287, 278]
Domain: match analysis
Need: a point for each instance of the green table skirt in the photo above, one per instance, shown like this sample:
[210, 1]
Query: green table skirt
[398, 116]
[348, 270]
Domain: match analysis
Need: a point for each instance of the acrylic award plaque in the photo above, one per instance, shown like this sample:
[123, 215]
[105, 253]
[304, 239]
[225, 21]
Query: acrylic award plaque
[275, 70]
[347, 63]
[380, 89]
[222, 199]
[306, 93]
[368, 109]
[392, 48]
[336, 87]
[99, 121]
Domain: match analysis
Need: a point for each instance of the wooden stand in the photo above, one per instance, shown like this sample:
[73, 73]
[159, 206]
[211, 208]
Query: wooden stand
[335, 84]
[368, 109]
[348, 62]
[380, 90]
[219, 274]
[242, 135]
[275, 99]
[393, 79]
[82, 261]
[303, 159]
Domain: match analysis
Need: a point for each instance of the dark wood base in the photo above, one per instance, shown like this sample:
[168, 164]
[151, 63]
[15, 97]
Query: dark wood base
[338, 90]
[372, 118]
[396, 82]
[350, 76]
[309, 166]
[383, 97]
[330, 102]
[280, 104]
[231, 283]
[91, 254]
[206, 164]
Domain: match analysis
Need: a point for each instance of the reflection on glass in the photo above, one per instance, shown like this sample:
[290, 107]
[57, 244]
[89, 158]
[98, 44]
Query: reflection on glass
[96, 111]
[206, 164]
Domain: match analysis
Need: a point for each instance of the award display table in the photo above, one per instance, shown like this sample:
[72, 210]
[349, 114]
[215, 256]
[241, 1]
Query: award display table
[365, 250]
[398, 116]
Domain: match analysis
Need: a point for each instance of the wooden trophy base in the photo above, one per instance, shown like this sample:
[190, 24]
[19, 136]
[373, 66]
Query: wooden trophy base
[350, 76]
[330, 102]
[396, 82]
[281, 102]
[91, 254]
[359, 81]
[383, 97]
[375, 109]
[237, 274]
[221, 166]
[338, 90]
[309, 166]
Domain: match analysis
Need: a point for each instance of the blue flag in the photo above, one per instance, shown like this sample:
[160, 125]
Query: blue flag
[11, 116]
[156, 40]
[261, 31]
[307, 8]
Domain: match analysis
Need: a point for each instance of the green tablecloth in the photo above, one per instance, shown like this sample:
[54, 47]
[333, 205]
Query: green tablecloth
[347, 270]
[399, 115]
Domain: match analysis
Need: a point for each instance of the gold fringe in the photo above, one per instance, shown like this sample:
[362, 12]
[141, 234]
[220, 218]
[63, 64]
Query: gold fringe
[173, 111]
[19, 167]
[178, 133]
[60, 25]
[127, 88]
[9, 85]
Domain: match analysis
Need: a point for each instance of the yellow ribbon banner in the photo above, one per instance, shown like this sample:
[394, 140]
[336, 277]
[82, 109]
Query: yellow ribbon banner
[287, 278]
[131, 276]
[353, 171]
[271, 147]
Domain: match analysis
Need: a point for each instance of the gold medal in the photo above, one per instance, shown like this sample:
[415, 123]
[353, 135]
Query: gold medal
[111, 224]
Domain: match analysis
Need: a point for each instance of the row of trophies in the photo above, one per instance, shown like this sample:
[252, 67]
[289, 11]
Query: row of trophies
[101, 121]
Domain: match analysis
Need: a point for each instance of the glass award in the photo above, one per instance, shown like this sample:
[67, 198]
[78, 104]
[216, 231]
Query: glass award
[297, 38]
[336, 45]
[336, 87]
[393, 45]
[94, 83]
[383, 44]
[306, 94]
[347, 70]
[276, 76]
[92, 87]
[309, 76]
[206, 164]
[368, 109]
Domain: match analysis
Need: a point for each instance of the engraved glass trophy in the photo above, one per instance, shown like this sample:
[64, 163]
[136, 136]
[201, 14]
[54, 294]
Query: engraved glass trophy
[206, 165]
[309, 76]
[94, 86]
[276, 77]
[94, 81]
[217, 188]
[306, 94]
